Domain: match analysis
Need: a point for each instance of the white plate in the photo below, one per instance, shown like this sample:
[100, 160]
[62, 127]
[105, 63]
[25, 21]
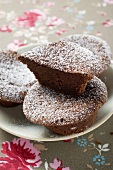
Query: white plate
[13, 121]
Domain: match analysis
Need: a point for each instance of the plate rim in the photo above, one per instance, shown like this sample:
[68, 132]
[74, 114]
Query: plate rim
[61, 138]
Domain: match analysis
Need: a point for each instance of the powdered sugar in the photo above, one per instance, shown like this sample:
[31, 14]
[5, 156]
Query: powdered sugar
[99, 47]
[64, 56]
[46, 107]
[15, 77]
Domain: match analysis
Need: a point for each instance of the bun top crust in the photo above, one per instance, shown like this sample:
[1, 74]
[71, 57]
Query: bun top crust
[46, 107]
[100, 48]
[63, 56]
[15, 77]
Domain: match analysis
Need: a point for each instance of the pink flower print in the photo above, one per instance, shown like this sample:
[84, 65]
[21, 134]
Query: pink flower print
[61, 31]
[56, 165]
[54, 21]
[29, 18]
[108, 23]
[15, 45]
[102, 13]
[49, 4]
[22, 150]
[67, 168]
[11, 164]
[5, 28]
[2, 14]
[98, 33]
[109, 1]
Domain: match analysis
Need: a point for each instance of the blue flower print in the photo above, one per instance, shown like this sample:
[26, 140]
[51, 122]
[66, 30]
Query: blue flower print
[82, 142]
[79, 16]
[70, 10]
[99, 160]
[76, 1]
[89, 27]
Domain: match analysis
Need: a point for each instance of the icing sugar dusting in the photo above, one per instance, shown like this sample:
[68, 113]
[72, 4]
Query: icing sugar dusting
[100, 48]
[64, 56]
[15, 77]
[51, 108]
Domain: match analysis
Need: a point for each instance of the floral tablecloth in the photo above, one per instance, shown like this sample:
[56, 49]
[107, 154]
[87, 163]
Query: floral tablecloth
[24, 22]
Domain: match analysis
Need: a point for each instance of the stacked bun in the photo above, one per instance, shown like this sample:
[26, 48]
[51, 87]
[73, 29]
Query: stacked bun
[15, 79]
[67, 94]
